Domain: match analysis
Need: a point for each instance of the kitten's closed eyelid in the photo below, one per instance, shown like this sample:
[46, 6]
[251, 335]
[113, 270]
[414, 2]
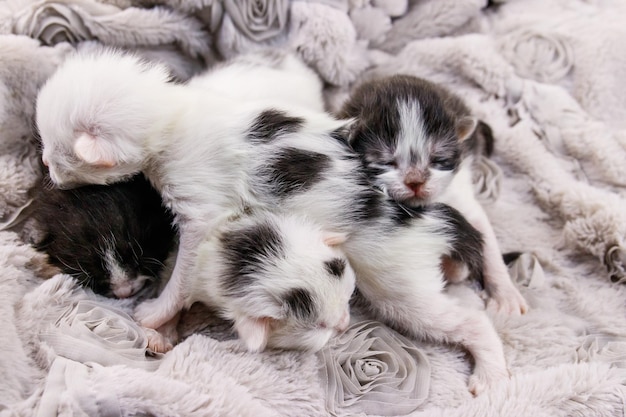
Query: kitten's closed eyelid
[442, 163]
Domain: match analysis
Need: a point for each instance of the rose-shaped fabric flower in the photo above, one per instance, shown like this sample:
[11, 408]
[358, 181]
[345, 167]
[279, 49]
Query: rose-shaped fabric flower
[544, 57]
[372, 369]
[93, 332]
[259, 20]
[53, 23]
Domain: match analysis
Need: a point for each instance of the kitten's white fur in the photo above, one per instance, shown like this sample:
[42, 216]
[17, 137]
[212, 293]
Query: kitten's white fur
[299, 85]
[192, 147]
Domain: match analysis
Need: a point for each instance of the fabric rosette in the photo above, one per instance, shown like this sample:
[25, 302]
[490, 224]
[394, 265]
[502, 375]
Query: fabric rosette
[542, 56]
[372, 369]
[259, 20]
[92, 332]
[54, 23]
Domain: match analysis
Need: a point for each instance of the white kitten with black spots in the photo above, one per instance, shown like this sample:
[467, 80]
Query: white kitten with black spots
[418, 142]
[213, 159]
[281, 279]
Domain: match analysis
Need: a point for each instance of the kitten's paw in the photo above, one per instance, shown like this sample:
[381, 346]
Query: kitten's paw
[480, 381]
[157, 342]
[507, 300]
[150, 314]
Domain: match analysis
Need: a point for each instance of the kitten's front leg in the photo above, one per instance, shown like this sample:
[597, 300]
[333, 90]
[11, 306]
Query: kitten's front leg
[165, 337]
[504, 295]
[424, 312]
[155, 312]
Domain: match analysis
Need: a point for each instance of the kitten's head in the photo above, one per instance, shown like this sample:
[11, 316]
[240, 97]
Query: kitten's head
[113, 239]
[409, 133]
[109, 267]
[289, 282]
[94, 116]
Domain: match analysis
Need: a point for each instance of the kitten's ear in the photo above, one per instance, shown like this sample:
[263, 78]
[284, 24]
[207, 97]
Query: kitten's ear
[334, 239]
[349, 130]
[465, 126]
[95, 151]
[254, 331]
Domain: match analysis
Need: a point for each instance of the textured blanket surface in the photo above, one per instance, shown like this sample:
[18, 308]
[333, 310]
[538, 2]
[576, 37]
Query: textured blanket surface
[547, 76]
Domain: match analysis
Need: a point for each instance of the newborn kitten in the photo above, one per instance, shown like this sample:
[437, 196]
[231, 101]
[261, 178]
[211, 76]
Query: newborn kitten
[418, 142]
[214, 159]
[280, 278]
[112, 239]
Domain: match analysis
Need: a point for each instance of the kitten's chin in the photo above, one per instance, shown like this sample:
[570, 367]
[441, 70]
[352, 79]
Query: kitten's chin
[412, 200]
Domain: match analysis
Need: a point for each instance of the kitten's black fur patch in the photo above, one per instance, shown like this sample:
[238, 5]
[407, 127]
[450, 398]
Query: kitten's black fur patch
[341, 135]
[403, 215]
[300, 303]
[271, 124]
[369, 203]
[374, 135]
[244, 252]
[335, 267]
[467, 241]
[73, 227]
[295, 170]
[375, 104]
[367, 206]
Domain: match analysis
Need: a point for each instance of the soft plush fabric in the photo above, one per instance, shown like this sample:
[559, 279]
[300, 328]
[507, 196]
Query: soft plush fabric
[548, 76]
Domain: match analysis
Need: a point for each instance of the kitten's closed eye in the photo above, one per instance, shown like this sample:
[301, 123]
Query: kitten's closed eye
[443, 164]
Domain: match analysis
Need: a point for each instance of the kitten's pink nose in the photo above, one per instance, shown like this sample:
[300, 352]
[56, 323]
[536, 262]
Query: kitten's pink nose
[44, 160]
[414, 186]
[344, 322]
[124, 290]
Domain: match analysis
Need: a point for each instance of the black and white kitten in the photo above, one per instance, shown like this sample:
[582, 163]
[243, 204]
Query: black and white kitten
[113, 239]
[418, 142]
[214, 158]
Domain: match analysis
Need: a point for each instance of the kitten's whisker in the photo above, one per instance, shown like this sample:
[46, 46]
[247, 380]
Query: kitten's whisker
[83, 269]
[154, 261]
[47, 182]
[71, 268]
[139, 246]
[406, 210]
[132, 248]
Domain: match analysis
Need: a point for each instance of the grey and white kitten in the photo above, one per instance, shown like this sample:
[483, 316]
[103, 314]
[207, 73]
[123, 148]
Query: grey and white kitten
[418, 142]
[214, 158]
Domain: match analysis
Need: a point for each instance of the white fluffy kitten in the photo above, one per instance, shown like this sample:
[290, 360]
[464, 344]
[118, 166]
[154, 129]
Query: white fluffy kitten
[416, 140]
[212, 158]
